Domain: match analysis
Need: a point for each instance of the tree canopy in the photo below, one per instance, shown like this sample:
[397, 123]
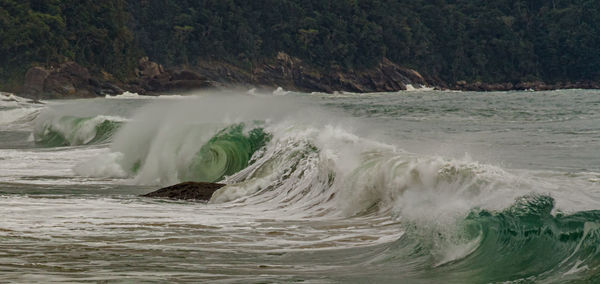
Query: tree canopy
[472, 40]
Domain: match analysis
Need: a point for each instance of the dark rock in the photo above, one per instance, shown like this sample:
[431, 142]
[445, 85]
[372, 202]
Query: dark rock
[531, 86]
[185, 85]
[95, 82]
[74, 70]
[291, 73]
[154, 84]
[187, 191]
[110, 89]
[34, 82]
[68, 81]
[155, 79]
[135, 87]
[58, 85]
[186, 75]
[149, 69]
[71, 80]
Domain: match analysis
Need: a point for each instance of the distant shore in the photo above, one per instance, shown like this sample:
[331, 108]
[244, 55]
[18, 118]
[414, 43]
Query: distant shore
[71, 80]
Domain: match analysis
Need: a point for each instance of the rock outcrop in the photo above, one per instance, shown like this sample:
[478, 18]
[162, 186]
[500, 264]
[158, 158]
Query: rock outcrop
[71, 80]
[202, 191]
[291, 73]
[152, 77]
[68, 80]
[34, 81]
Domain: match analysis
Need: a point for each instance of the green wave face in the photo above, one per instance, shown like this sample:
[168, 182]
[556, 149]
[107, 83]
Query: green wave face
[527, 241]
[226, 153]
[72, 131]
[524, 242]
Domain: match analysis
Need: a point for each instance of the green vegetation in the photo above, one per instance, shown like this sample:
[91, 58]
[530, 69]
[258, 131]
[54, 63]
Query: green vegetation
[451, 40]
[47, 32]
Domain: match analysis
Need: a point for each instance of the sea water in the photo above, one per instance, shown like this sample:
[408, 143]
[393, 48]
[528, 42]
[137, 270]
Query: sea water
[407, 187]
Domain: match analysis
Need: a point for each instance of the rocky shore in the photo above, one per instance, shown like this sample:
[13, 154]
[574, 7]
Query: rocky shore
[71, 80]
[291, 73]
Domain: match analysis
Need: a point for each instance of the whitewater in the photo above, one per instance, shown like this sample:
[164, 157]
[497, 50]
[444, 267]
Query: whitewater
[418, 186]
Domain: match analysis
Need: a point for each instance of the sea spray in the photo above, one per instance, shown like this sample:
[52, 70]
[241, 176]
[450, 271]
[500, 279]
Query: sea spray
[18, 116]
[200, 139]
[456, 213]
[295, 154]
[324, 197]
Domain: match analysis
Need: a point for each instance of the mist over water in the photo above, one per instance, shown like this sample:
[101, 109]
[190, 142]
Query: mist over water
[410, 186]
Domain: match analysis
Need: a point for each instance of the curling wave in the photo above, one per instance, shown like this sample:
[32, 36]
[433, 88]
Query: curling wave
[228, 152]
[72, 131]
[524, 242]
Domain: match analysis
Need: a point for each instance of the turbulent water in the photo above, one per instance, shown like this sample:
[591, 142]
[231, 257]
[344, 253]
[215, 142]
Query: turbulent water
[407, 187]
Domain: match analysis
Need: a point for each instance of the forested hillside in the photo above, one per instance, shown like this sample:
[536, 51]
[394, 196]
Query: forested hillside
[447, 40]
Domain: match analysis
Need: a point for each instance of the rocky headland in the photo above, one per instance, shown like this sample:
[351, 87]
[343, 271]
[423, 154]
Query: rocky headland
[71, 80]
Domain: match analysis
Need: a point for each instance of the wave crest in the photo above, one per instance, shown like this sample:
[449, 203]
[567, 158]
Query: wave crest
[72, 131]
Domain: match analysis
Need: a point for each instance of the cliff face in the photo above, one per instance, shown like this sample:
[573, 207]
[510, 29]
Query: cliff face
[292, 74]
[66, 81]
[70, 80]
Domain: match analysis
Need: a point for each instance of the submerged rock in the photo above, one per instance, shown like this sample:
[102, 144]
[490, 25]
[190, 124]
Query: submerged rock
[187, 191]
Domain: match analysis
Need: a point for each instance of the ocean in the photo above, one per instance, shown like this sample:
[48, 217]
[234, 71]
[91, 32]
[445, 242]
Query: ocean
[417, 186]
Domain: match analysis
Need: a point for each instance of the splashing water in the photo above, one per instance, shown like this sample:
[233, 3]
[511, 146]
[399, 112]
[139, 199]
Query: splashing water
[317, 189]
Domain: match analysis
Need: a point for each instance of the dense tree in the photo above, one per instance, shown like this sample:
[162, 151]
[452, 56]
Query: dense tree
[492, 41]
[48, 32]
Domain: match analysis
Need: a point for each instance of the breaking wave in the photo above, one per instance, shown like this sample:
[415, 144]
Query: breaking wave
[18, 116]
[73, 131]
[460, 216]
[16, 111]
[524, 243]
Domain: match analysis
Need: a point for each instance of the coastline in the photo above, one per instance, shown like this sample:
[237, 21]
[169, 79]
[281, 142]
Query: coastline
[70, 80]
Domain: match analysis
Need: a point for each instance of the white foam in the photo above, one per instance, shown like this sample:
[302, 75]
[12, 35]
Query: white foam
[313, 168]
[104, 165]
[46, 166]
[453, 252]
[8, 100]
[280, 92]
[18, 115]
[135, 96]
[127, 95]
[577, 267]
[421, 88]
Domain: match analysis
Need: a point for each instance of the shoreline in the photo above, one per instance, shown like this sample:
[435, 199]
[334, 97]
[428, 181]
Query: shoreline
[5, 95]
[70, 80]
